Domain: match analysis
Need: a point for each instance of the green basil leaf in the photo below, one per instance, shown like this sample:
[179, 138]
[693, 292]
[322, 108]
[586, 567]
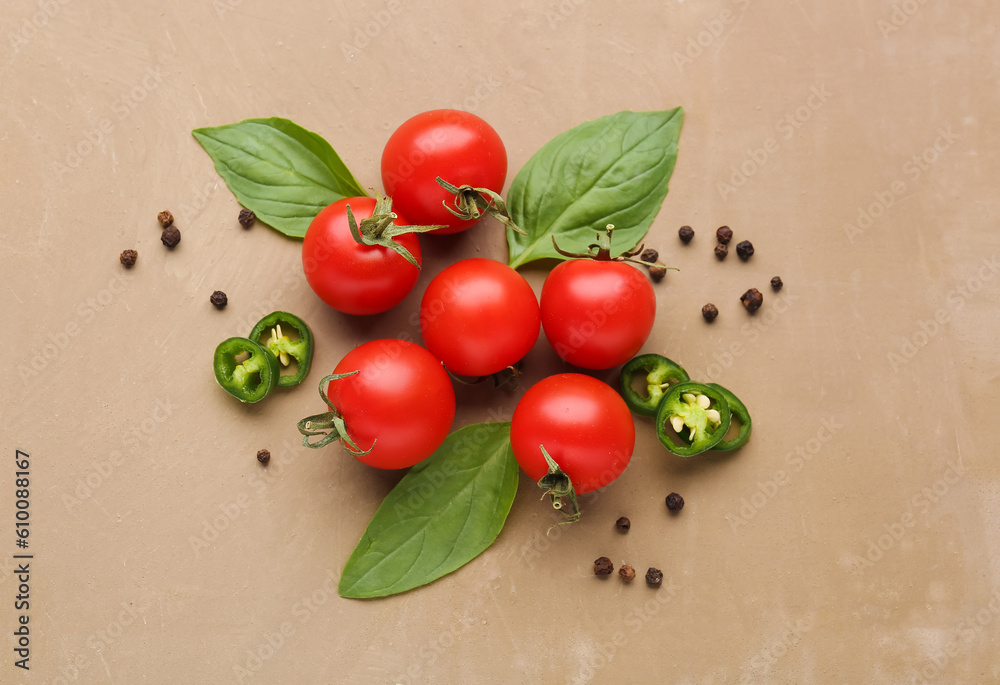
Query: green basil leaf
[442, 514]
[283, 172]
[613, 170]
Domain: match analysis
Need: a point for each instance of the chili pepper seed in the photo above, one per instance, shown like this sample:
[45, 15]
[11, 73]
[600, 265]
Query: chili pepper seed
[709, 311]
[170, 236]
[263, 456]
[675, 502]
[219, 299]
[165, 218]
[721, 251]
[776, 283]
[623, 524]
[724, 234]
[603, 567]
[626, 573]
[685, 233]
[247, 217]
[128, 257]
[752, 300]
[654, 577]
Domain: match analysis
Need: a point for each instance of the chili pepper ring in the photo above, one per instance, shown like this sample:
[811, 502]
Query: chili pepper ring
[697, 413]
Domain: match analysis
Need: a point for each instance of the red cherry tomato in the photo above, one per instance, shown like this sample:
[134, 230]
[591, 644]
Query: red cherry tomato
[479, 316]
[401, 401]
[597, 314]
[351, 277]
[584, 425]
[459, 147]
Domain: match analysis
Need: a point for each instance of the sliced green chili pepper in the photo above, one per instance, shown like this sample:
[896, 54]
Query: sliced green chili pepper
[250, 380]
[739, 410]
[701, 409]
[660, 372]
[268, 333]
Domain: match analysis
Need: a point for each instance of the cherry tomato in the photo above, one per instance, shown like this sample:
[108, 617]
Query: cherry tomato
[459, 147]
[583, 424]
[401, 401]
[597, 314]
[351, 277]
[479, 316]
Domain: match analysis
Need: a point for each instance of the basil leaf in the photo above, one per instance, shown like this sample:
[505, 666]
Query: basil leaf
[613, 170]
[283, 172]
[442, 514]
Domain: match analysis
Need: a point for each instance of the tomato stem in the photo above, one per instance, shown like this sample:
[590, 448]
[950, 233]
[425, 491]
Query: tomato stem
[330, 424]
[557, 485]
[471, 205]
[379, 229]
[601, 251]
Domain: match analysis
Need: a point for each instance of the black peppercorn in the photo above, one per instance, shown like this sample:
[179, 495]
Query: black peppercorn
[623, 524]
[603, 567]
[128, 257]
[776, 283]
[626, 573]
[165, 218]
[263, 456]
[247, 217]
[675, 502]
[658, 271]
[170, 236]
[724, 234]
[721, 251]
[685, 233]
[649, 255]
[709, 311]
[744, 250]
[752, 300]
[654, 577]
[219, 299]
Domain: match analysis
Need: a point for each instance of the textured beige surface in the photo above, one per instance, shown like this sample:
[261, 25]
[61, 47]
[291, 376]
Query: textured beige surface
[854, 540]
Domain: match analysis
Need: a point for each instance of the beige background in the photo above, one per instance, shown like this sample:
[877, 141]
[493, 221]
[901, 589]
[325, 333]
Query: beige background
[854, 540]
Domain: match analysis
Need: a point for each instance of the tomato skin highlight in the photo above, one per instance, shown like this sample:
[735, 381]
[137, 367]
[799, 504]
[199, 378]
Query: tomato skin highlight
[458, 146]
[584, 425]
[401, 401]
[351, 277]
[597, 314]
[479, 316]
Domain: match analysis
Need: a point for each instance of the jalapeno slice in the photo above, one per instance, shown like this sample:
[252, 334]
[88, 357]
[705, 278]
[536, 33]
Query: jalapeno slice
[661, 373]
[251, 379]
[739, 410]
[268, 332]
[697, 413]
